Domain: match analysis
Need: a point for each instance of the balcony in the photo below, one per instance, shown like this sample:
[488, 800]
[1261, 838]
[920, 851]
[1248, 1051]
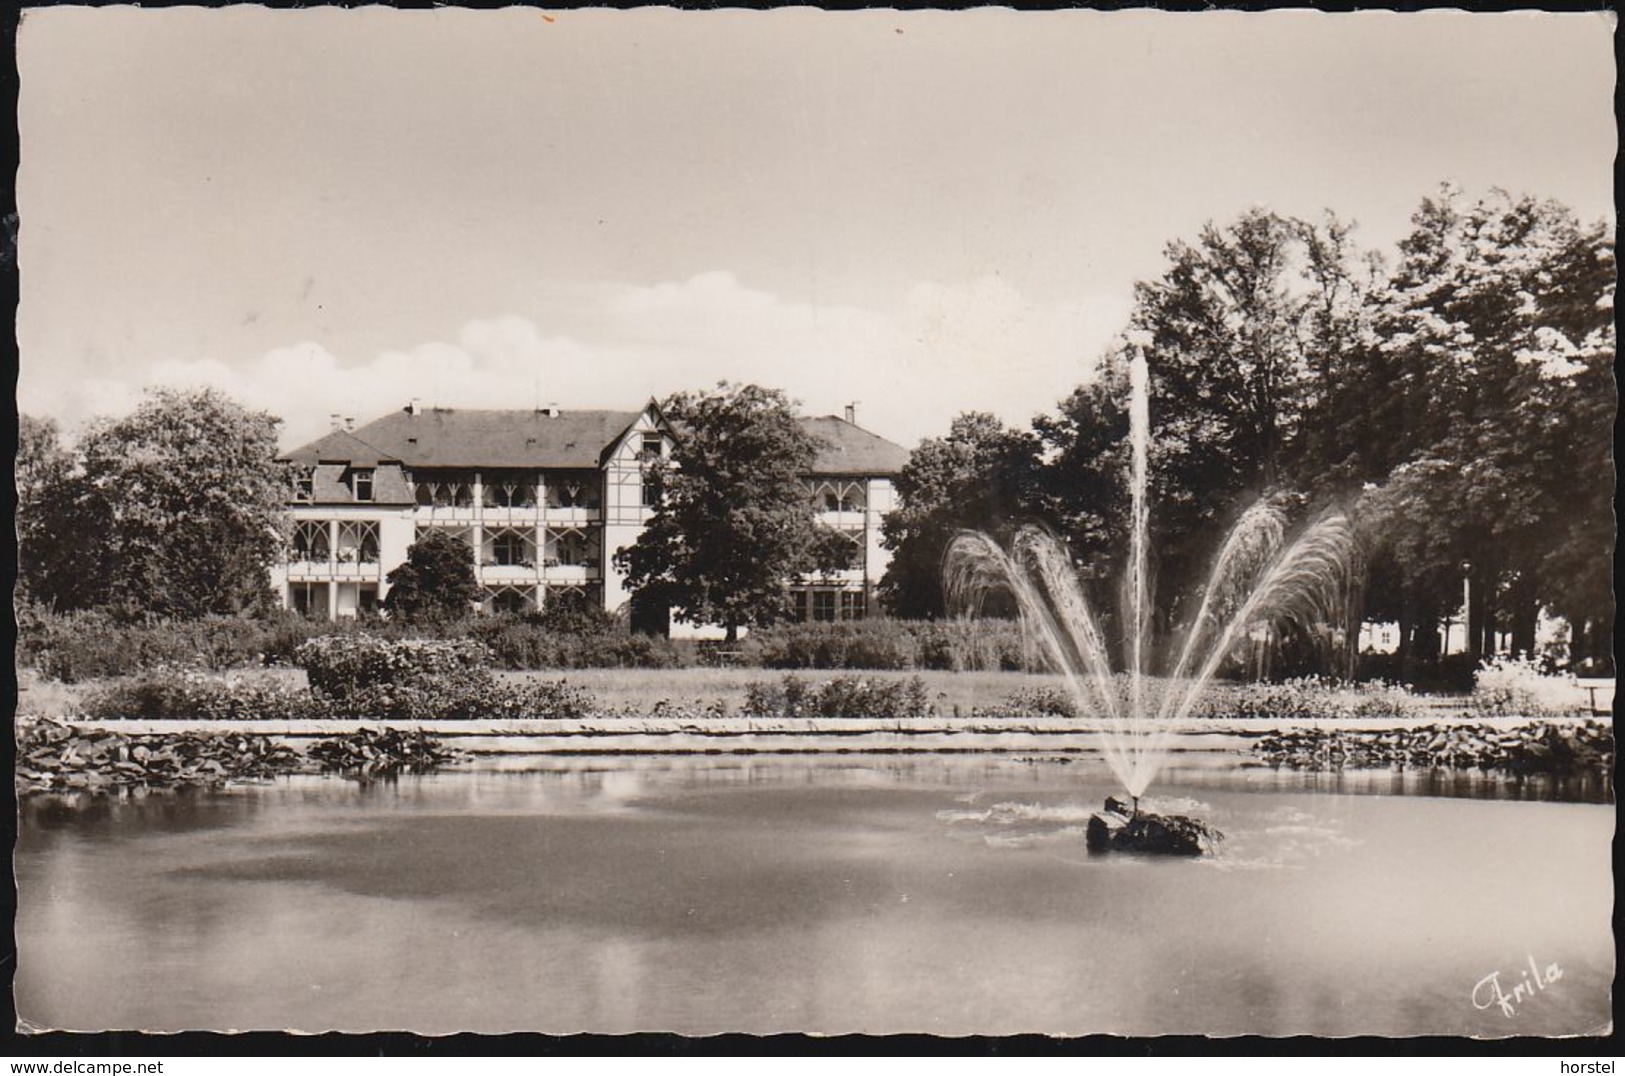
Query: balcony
[509, 573]
[313, 571]
[447, 514]
[570, 517]
[851, 520]
[565, 574]
[510, 517]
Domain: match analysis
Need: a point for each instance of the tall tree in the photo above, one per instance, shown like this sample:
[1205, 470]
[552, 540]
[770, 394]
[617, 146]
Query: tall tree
[981, 476]
[735, 518]
[436, 582]
[1496, 347]
[180, 504]
[55, 565]
[1241, 331]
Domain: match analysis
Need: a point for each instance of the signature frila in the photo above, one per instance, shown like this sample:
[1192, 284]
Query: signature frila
[1489, 991]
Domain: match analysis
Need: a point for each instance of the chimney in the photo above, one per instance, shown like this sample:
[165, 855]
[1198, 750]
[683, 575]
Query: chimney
[349, 422]
[335, 420]
[852, 412]
[415, 407]
[551, 410]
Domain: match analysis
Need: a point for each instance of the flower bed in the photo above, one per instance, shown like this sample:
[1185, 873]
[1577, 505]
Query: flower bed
[842, 696]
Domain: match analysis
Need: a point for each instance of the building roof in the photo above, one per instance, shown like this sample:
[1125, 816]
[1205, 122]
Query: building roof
[442, 437]
[330, 483]
[339, 446]
[848, 448]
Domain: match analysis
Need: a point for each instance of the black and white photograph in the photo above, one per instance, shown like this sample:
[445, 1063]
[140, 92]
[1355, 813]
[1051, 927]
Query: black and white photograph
[963, 523]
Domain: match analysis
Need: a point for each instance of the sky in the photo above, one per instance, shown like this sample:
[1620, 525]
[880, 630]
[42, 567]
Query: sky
[328, 212]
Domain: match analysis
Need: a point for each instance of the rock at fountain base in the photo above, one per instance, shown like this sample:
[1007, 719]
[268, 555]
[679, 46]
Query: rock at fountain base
[1117, 830]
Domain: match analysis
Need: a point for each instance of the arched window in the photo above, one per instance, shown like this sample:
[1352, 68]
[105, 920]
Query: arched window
[358, 542]
[310, 542]
[509, 491]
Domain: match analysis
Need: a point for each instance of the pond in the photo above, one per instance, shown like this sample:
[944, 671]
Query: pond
[830, 894]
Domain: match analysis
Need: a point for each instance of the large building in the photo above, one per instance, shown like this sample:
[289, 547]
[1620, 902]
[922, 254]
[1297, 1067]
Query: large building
[544, 498]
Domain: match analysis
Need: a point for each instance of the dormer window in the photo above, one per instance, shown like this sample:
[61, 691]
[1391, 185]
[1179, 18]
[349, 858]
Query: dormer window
[361, 483]
[304, 485]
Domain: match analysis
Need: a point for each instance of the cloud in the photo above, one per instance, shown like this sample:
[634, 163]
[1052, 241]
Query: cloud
[942, 349]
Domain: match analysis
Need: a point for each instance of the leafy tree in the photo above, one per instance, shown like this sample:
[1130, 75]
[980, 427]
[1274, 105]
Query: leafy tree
[734, 519]
[1496, 347]
[436, 582]
[175, 510]
[1243, 332]
[43, 473]
[979, 477]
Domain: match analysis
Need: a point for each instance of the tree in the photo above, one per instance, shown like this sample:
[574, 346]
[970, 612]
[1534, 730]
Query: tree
[734, 519]
[174, 510]
[436, 582]
[979, 477]
[49, 568]
[1495, 356]
[1242, 332]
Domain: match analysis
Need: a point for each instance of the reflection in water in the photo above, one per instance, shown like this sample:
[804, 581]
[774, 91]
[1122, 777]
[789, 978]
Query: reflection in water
[948, 894]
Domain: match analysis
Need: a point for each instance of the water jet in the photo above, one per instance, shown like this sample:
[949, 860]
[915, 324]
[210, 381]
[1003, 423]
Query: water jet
[1258, 578]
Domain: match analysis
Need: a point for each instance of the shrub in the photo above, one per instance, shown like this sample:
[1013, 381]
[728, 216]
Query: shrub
[577, 641]
[1453, 673]
[1309, 697]
[94, 645]
[843, 696]
[889, 644]
[1041, 701]
[341, 666]
[856, 644]
[1518, 687]
[965, 645]
[452, 698]
[174, 694]
[164, 694]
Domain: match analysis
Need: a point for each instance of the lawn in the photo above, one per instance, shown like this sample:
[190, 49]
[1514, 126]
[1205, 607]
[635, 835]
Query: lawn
[641, 689]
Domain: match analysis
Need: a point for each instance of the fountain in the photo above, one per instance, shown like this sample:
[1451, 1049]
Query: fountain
[1258, 578]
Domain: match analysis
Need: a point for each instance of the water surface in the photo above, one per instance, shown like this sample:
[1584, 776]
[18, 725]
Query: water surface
[831, 894]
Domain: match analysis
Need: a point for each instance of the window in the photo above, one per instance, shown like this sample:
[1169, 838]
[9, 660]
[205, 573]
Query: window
[358, 543]
[570, 548]
[509, 492]
[846, 551]
[851, 605]
[367, 601]
[362, 484]
[511, 548]
[573, 599]
[651, 491]
[823, 605]
[310, 543]
[798, 605]
[508, 600]
[453, 491]
[654, 447]
[573, 489]
[309, 599]
[304, 485]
